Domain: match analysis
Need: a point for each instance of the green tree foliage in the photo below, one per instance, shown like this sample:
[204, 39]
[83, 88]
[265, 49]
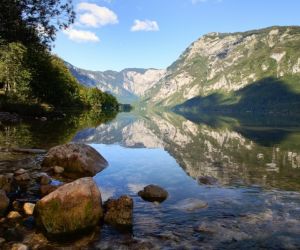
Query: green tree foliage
[14, 73]
[34, 21]
[29, 73]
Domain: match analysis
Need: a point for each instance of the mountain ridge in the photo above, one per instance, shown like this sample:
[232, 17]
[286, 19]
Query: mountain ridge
[228, 62]
[128, 85]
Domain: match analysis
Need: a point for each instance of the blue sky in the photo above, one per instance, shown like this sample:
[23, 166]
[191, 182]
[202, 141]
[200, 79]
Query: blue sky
[118, 34]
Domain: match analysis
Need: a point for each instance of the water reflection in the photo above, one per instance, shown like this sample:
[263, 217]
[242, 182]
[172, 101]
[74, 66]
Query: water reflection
[236, 152]
[34, 133]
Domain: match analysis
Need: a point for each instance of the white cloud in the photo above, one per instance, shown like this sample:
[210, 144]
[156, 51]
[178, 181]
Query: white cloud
[93, 15]
[145, 25]
[81, 35]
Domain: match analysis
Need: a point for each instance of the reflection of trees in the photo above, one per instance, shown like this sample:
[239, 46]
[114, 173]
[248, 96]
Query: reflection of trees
[38, 134]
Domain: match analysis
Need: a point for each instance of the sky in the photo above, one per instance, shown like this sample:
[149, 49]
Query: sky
[118, 34]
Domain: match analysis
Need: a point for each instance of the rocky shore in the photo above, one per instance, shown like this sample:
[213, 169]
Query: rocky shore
[51, 199]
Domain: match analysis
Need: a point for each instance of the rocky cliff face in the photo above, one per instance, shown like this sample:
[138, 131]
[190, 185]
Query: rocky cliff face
[220, 62]
[127, 85]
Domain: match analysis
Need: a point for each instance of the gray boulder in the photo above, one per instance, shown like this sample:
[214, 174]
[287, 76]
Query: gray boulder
[77, 160]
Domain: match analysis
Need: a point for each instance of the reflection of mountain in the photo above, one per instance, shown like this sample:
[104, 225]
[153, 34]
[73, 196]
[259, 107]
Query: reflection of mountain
[202, 150]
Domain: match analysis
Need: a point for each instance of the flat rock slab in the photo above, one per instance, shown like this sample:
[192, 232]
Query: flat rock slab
[77, 160]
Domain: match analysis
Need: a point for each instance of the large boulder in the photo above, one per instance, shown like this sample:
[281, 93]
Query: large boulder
[71, 208]
[153, 193]
[77, 160]
[119, 212]
[4, 202]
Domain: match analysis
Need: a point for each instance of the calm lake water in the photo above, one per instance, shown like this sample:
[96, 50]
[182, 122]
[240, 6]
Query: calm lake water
[255, 204]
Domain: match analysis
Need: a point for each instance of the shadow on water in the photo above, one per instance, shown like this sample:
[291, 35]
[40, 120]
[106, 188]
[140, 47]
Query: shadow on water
[266, 130]
[270, 103]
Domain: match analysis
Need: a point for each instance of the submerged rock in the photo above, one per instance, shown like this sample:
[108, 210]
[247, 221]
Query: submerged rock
[153, 193]
[77, 160]
[190, 205]
[71, 208]
[207, 180]
[19, 246]
[58, 170]
[44, 179]
[4, 202]
[5, 183]
[119, 212]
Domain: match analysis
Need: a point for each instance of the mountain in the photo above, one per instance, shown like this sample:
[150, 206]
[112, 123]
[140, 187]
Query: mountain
[127, 85]
[234, 69]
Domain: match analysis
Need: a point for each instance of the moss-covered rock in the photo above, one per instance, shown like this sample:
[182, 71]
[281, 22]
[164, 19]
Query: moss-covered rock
[4, 203]
[72, 208]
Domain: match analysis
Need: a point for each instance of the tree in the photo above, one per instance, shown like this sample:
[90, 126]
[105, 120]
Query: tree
[13, 71]
[34, 21]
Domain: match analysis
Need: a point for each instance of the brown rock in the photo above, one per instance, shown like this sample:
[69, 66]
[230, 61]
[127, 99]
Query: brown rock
[19, 246]
[22, 178]
[28, 208]
[73, 207]
[47, 189]
[14, 215]
[119, 212]
[5, 183]
[78, 160]
[207, 180]
[58, 170]
[45, 179]
[153, 193]
[4, 202]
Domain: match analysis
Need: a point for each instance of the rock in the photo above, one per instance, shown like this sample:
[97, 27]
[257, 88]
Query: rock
[22, 178]
[4, 202]
[71, 208]
[190, 204]
[17, 206]
[19, 246]
[207, 180]
[5, 183]
[28, 208]
[58, 170]
[153, 193]
[8, 117]
[47, 189]
[119, 212]
[45, 179]
[206, 228]
[78, 160]
[13, 215]
[20, 171]
[13, 234]
[43, 119]
[2, 240]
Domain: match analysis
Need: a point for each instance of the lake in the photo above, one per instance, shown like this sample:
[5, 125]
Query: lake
[255, 202]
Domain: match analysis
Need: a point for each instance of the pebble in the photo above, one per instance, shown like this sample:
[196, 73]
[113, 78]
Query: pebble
[19, 246]
[58, 170]
[28, 208]
[14, 215]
